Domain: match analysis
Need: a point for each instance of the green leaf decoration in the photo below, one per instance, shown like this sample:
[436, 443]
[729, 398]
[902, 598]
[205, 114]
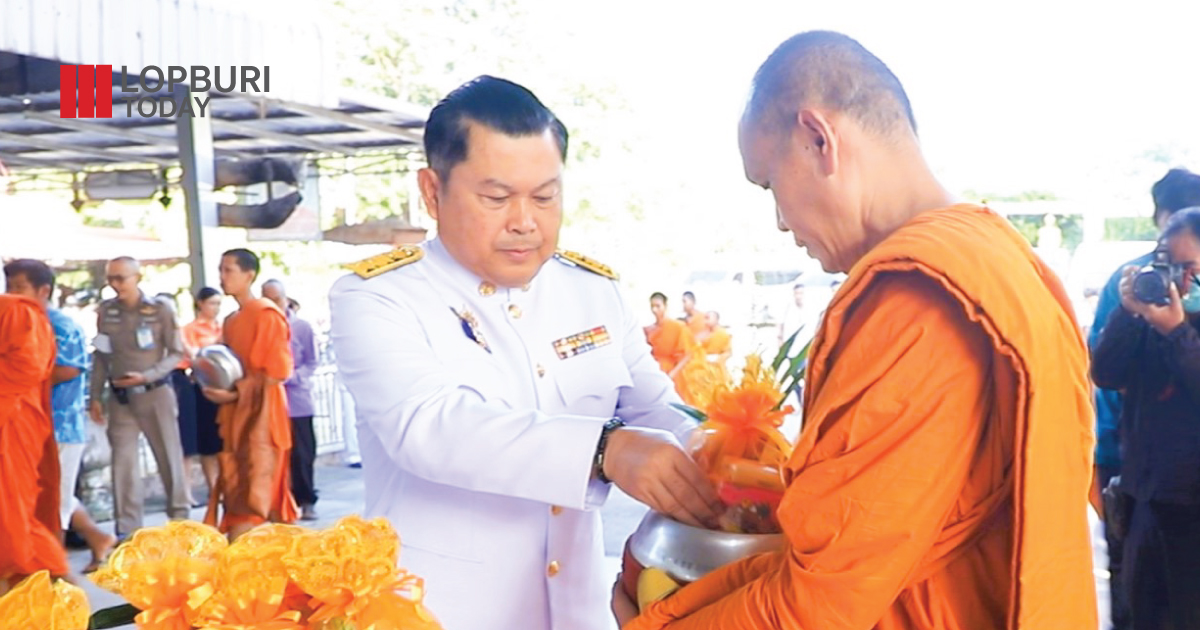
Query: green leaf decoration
[114, 617]
[791, 377]
[691, 412]
[786, 348]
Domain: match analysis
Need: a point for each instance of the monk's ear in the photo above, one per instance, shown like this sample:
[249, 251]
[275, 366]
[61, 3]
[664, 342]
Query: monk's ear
[430, 184]
[817, 132]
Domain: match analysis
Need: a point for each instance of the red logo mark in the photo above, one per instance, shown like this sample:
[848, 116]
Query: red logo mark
[85, 91]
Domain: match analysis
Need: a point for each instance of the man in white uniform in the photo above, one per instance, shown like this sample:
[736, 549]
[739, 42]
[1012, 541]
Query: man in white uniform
[492, 376]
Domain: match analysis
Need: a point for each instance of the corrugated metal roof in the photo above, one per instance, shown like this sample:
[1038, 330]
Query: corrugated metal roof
[305, 113]
[33, 136]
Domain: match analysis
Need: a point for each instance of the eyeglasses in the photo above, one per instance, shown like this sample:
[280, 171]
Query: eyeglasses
[117, 279]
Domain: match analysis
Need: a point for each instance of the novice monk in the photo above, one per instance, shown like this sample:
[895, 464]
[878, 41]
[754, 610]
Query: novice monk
[254, 422]
[692, 316]
[29, 473]
[716, 340]
[941, 477]
[670, 339]
[671, 344]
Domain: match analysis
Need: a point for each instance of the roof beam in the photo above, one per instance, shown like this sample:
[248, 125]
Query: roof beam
[132, 135]
[246, 129]
[107, 154]
[18, 160]
[354, 121]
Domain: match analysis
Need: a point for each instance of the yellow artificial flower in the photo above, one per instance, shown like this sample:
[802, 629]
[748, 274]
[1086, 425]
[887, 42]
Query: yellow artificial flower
[39, 604]
[251, 588]
[350, 571]
[158, 568]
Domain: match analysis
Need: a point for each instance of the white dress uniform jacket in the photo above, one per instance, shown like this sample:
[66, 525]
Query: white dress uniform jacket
[480, 451]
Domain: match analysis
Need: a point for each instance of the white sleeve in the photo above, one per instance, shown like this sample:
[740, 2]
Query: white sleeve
[434, 426]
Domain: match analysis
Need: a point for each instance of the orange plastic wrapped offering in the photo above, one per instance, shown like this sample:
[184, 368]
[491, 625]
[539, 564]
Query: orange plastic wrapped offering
[743, 450]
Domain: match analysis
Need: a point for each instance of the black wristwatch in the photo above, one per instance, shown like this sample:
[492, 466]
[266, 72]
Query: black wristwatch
[598, 462]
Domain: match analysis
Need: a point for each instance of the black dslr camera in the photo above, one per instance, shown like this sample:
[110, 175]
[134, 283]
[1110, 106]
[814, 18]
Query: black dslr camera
[1152, 284]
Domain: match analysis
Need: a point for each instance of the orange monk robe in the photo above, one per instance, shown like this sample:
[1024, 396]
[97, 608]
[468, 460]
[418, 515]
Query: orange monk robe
[670, 343]
[255, 428]
[29, 473]
[941, 477]
[718, 344]
[697, 323]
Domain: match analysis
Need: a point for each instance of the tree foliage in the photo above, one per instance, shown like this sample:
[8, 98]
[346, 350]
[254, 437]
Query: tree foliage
[419, 50]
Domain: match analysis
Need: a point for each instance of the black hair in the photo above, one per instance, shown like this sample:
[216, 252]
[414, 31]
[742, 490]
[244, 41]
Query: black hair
[1178, 189]
[246, 260]
[689, 294]
[204, 294]
[658, 296]
[36, 272]
[1185, 219]
[495, 103]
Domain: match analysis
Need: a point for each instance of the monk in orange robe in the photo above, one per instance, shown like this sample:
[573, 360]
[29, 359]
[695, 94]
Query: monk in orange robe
[671, 343]
[715, 340]
[29, 473]
[253, 419]
[696, 321]
[941, 477]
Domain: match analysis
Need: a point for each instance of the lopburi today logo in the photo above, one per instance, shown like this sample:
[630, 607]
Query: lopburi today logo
[85, 91]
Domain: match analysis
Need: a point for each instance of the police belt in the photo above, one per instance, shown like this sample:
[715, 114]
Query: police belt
[141, 389]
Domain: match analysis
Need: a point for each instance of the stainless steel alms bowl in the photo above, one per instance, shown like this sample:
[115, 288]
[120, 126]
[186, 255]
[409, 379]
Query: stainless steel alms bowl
[687, 553]
[217, 367]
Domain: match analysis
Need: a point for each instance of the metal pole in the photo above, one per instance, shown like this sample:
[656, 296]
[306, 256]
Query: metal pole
[196, 158]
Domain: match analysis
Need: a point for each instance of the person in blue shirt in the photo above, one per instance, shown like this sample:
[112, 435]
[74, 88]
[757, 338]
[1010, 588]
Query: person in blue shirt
[1177, 190]
[34, 279]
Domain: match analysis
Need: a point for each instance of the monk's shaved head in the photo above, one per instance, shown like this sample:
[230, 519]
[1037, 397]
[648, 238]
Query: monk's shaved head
[828, 70]
[126, 264]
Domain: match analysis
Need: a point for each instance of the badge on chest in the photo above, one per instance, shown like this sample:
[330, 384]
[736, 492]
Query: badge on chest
[470, 327]
[580, 343]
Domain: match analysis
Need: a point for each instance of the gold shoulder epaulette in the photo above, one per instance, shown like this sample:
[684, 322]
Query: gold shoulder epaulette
[383, 263]
[583, 262]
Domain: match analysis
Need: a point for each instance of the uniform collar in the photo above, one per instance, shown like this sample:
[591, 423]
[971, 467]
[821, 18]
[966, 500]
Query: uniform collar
[437, 253]
[142, 301]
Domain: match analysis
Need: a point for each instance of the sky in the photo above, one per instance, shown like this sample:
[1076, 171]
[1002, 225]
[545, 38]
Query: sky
[1009, 96]
[1057, 95]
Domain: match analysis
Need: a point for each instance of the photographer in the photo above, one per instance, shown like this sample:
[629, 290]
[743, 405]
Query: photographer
[1150, 349]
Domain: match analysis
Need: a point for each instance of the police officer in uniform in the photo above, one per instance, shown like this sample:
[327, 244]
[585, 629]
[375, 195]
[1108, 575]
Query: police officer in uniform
[502, 386]
[137, 346]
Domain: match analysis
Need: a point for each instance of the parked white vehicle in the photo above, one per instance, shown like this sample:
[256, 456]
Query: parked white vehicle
[748, 293]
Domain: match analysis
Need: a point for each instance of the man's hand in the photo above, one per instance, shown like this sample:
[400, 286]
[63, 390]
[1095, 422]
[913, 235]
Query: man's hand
[623, 608]
[219, 396]
[1164, 319]
[132, 379]
[651, 466]
[97, 414]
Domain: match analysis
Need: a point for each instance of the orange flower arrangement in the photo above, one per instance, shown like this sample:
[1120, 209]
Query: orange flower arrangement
[740, 445]
[36, 603]
[276, 577]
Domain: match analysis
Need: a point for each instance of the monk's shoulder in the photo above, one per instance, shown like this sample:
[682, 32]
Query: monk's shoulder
[264, 309]
[896, 302]
[16, 306]
[673, 326]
